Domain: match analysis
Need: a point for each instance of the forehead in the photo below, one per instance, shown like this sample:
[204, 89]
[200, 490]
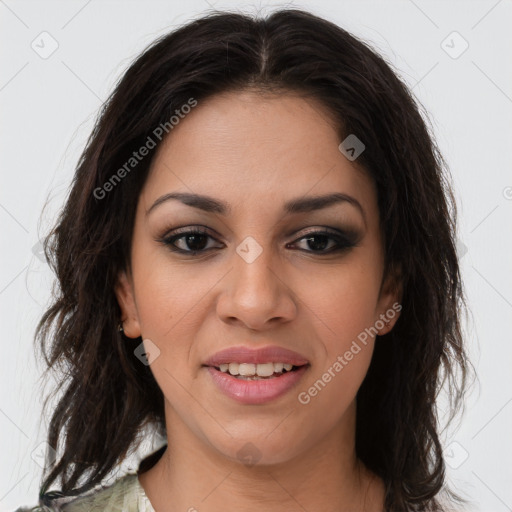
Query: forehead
[247, 147]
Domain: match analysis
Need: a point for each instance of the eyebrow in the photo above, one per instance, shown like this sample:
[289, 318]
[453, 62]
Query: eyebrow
[298, 205]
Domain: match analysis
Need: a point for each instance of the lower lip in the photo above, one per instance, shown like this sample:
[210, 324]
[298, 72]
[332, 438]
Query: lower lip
[256, 391]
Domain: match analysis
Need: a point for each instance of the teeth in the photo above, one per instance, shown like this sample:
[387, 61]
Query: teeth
[250, 369]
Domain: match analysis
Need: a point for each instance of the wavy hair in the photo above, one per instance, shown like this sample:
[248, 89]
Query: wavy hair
[108, 397]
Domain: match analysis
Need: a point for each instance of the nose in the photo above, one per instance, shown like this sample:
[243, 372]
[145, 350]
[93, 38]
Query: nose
[256, 294]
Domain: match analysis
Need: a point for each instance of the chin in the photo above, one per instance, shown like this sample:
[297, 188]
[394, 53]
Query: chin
[259, 450]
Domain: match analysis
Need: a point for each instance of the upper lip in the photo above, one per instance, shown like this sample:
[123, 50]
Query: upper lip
[269, 354]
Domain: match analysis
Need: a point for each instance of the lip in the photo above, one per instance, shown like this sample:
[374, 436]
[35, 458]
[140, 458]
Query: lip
[254, 392]
[270, 354]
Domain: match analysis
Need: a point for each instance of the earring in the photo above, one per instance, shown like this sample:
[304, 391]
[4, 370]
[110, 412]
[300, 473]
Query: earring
[120, 327]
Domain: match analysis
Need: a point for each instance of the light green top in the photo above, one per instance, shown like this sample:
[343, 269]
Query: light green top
[124, 495]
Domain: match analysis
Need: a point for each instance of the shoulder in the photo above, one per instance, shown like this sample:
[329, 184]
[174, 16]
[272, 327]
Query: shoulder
[123, 495]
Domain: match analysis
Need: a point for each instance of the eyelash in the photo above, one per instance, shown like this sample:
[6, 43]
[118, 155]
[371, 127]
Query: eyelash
[344, 241]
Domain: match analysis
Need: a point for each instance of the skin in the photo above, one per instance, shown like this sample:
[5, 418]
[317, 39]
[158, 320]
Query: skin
[256, 152]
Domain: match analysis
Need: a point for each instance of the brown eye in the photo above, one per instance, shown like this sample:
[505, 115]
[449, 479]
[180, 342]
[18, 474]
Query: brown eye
[192, 241]
[318, 241]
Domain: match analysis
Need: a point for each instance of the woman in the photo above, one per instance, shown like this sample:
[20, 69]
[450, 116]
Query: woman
[257, 258]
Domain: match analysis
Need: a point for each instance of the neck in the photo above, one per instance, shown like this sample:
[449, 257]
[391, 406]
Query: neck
[193, 476]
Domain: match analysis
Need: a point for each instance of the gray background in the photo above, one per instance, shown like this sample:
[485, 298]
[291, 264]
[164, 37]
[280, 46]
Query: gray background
[48, 106]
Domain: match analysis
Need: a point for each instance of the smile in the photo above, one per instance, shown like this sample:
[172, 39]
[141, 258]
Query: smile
[250, 388]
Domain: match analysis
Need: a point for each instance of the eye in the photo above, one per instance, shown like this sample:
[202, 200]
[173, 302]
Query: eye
[318, 241]
[192, 241]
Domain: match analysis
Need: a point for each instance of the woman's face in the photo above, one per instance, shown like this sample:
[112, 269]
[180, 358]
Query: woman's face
[260, 276]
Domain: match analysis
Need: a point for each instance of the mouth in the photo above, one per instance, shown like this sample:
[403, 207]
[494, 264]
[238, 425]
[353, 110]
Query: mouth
[256, 376]
[260, 371]
[254, 389]
[245, 356]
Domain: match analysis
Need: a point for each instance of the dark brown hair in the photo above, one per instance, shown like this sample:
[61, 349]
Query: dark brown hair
[108, 397]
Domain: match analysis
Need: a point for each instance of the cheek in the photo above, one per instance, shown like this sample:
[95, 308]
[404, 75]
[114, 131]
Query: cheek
[170, 295]
[344, 299]
[342, 308]
[332, 389]
[344, 321]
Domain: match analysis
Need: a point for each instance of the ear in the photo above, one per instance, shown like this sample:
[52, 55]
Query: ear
[126, 300]
[390, 300]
